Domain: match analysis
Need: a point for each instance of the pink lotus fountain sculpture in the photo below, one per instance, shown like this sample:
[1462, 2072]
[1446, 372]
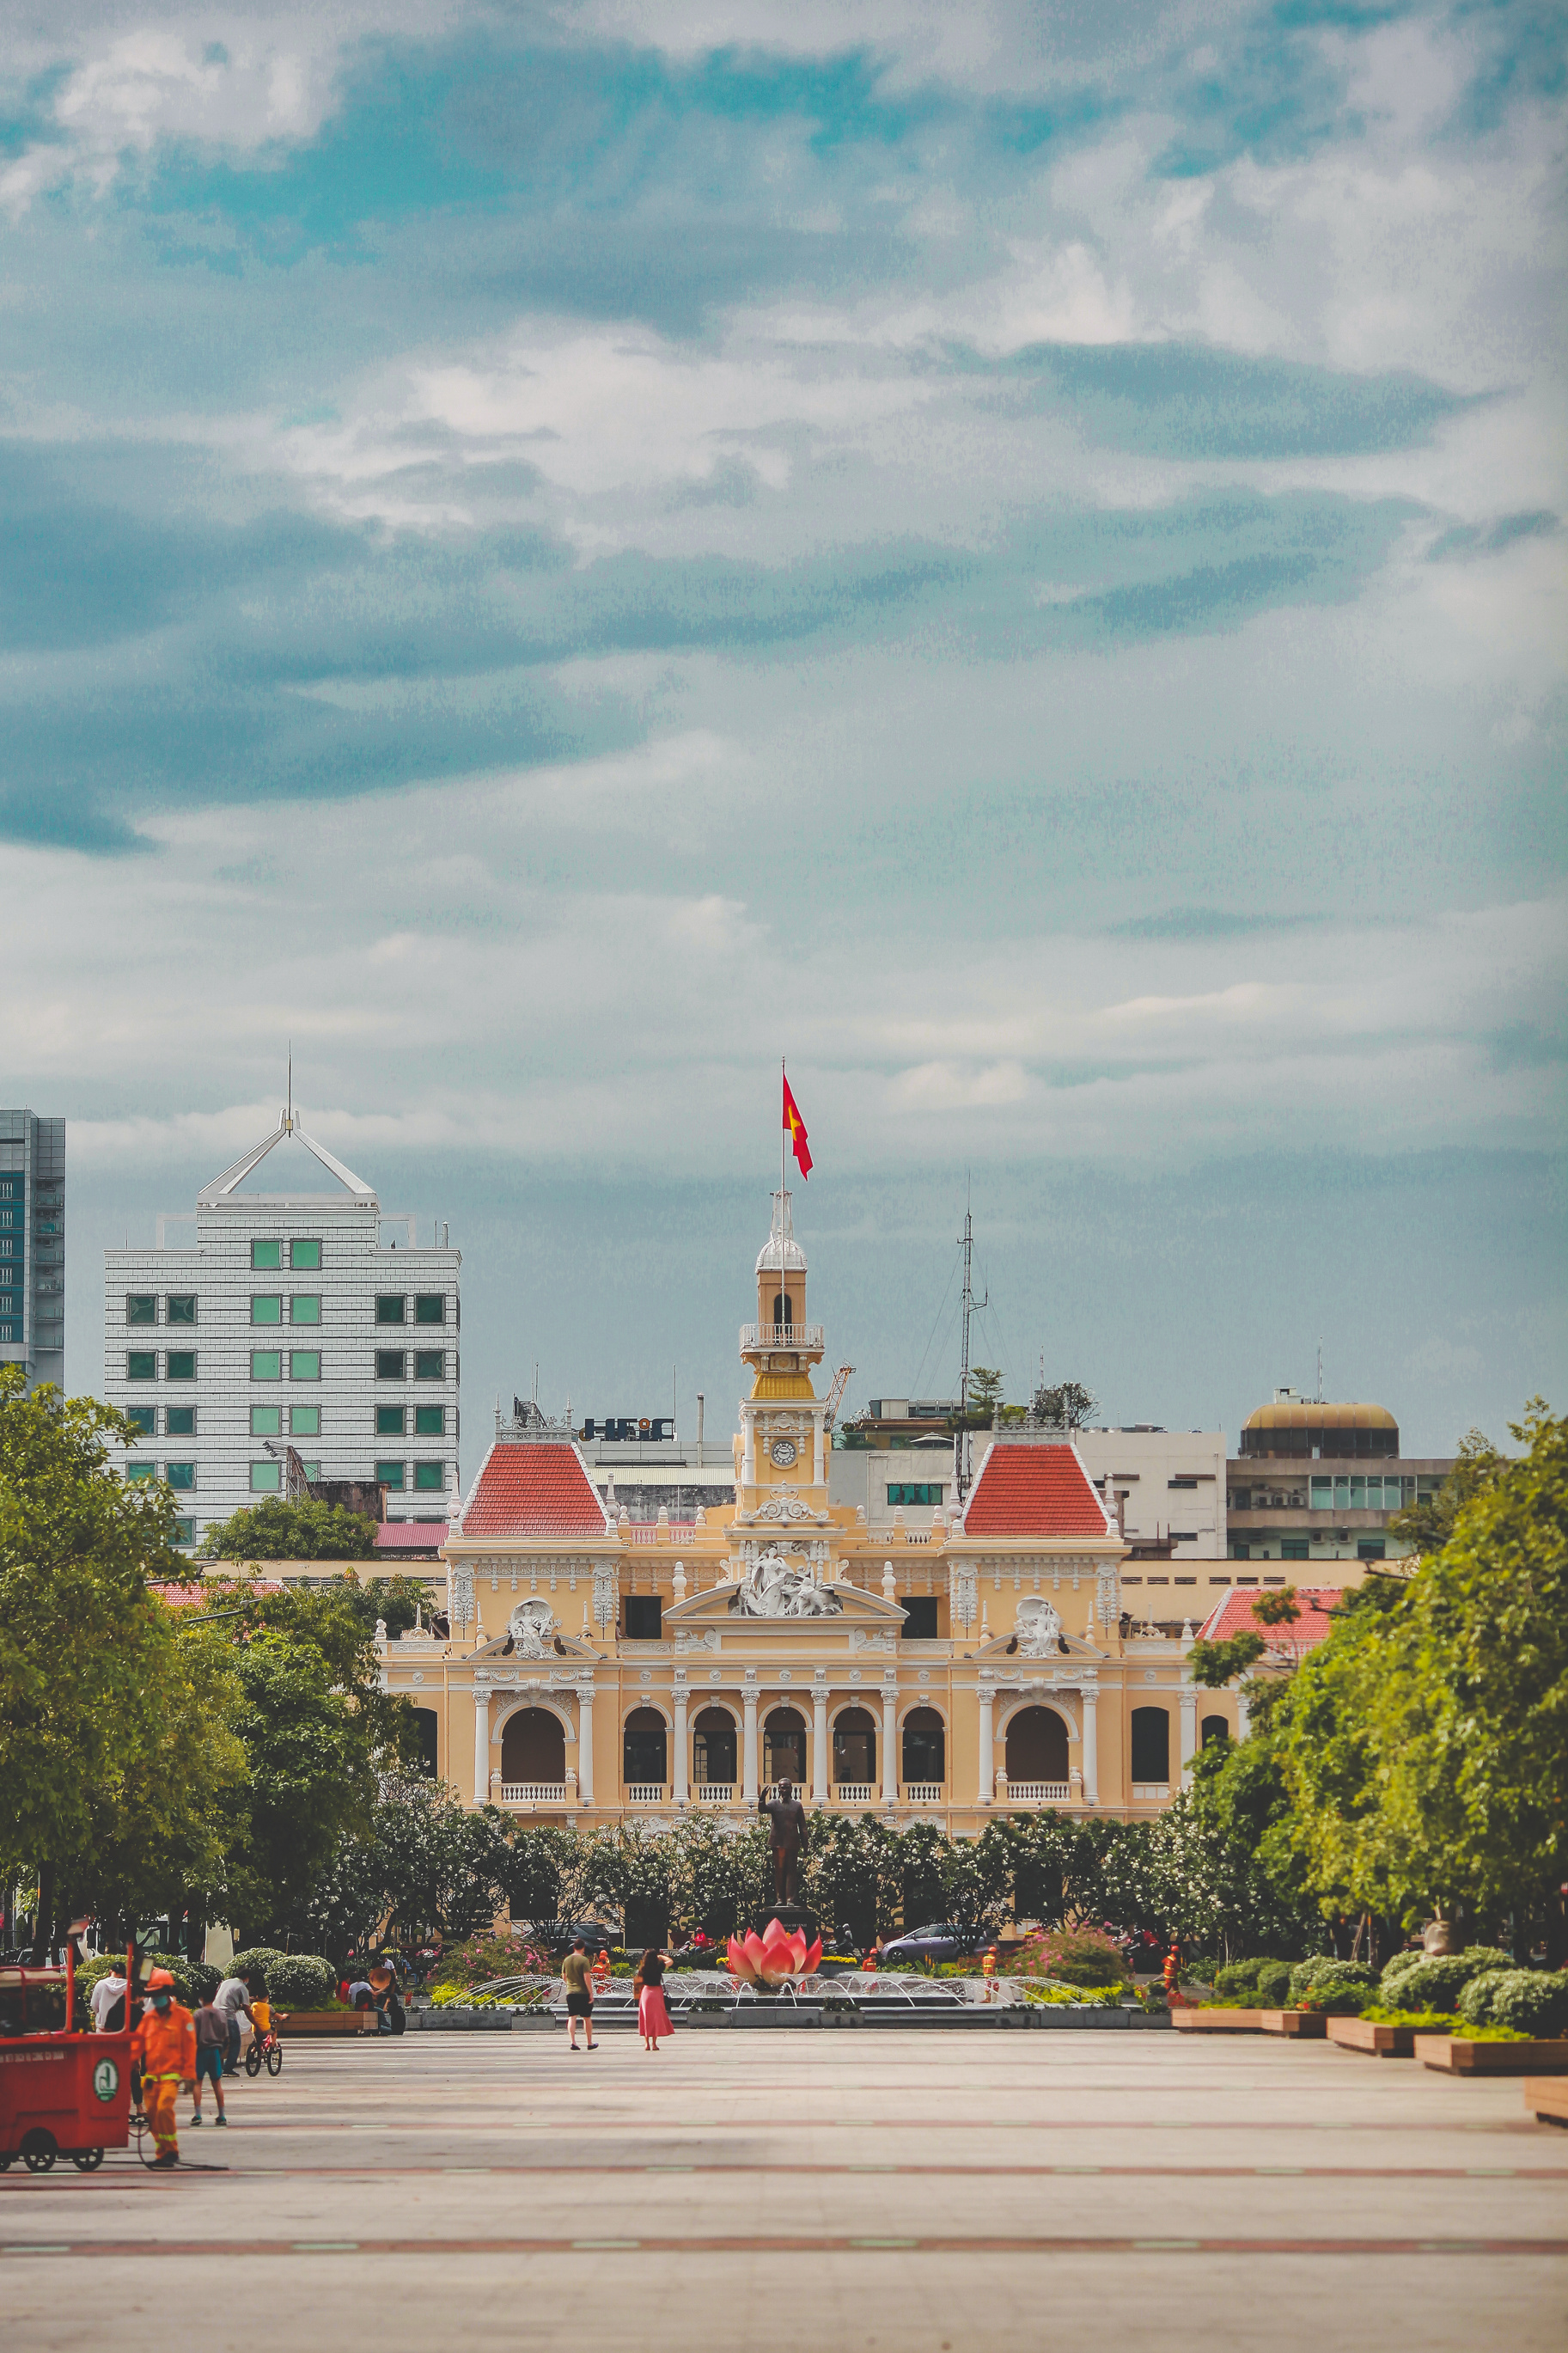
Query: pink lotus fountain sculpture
[775, 1958]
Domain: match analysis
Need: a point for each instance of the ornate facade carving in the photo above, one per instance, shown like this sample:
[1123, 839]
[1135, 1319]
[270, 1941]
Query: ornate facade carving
[774, 1587]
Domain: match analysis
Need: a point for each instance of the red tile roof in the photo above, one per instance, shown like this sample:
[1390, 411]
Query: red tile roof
[1034, 1491]
[410, 1536]
[1234, 1616]
[182, 1596]
[529, 1490]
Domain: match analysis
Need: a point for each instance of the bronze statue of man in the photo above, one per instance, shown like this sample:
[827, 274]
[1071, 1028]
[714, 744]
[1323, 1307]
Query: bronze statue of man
[789, 1838]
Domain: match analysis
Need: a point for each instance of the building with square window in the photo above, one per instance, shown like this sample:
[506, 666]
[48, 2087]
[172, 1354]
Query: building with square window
[33, 1245]
[291, 1339]
[1315, 1483]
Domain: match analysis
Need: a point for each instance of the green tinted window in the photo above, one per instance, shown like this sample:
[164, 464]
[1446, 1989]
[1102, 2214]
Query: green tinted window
[302, 1254]
[184, 1532]
[305, 1307]
[265, 1365]
[1294, 1548]
[305, 1421]
[919, 1492]
[311, 1470]
[181, 1365]
[389, 1307]
[180, 1421]
[428, 1364]
[268, 1308]
[430, 1421]
[141, 1307]
[305, 1364]
[428, 1476]
[144, 1416]
[265, 1254]
[141, 1365]
[429, 1307]
[182, 1307]
[389, 1474]
[139, 1472]
[181, 1475]
[389, 1364]
[389, 1421]
[266, 1478]
[266, 1421]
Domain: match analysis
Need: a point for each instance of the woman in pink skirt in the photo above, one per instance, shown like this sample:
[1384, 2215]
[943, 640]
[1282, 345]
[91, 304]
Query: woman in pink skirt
[653, 2017]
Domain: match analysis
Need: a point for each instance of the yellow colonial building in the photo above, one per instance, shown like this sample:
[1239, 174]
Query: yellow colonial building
[599, 1671]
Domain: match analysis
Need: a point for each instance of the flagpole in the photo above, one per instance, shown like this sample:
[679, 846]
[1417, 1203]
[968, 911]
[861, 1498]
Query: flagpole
[784, 1081]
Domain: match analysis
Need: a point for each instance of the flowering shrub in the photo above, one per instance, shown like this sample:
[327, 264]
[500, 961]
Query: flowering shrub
[1340, 1988]
[508, 1954]
[1435, 1981]
[1076, 1956]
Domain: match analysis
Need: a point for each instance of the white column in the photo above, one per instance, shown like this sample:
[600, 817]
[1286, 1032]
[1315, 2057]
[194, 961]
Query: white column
[1189, 1732]
[1091, 1747]
[820, 1434]
[1241, 1713]
[482, 1749]
[987, 1749]
[748, 1789]
[748, 1448]
[681, 1784]
[819, 1746]
[889, 1743]
[585, 1746]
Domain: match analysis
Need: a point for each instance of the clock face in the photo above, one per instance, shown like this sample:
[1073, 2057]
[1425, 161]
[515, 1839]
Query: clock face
[783, 1451]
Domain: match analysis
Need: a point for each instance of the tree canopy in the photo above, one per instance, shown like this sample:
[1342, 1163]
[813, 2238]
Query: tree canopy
[275, 1530]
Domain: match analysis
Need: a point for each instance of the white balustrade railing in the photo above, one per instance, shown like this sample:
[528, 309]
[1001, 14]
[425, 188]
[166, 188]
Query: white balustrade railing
[645, 1793]
[781, 1336]
[715, 1793]
[533, 1793]
[922, 1793]
[855, 1793]
[1149, 1792]
[1033, 1793]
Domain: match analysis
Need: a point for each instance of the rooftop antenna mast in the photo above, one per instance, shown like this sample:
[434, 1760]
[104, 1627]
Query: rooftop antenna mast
[1320, 1372]
[972, 1306]
[289, 1113]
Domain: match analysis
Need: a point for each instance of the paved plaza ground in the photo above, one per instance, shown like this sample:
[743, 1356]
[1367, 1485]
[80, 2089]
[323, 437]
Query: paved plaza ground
[857, 2189]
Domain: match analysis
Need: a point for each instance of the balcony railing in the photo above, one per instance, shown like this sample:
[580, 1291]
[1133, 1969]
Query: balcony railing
[533, 1793]
[922, 1793]
[714, 1793]
[855, 1793]
[780, 1336]
[1032, 1793]
[645, 1793]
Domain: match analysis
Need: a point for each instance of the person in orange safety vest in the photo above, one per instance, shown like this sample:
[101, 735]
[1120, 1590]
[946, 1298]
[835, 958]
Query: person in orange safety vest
[164, 2047]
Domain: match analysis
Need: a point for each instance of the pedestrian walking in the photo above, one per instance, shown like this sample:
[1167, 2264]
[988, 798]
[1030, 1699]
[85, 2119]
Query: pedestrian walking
[232, 2002]
[164, 2047]
[575, 1977]
[107, 2003]
[653, 2015]
[212, 2041]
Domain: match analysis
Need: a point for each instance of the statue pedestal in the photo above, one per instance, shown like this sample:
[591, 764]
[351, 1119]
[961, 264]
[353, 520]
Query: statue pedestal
[790, 1917]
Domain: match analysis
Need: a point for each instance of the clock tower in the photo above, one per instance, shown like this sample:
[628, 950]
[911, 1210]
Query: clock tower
[782, 1450]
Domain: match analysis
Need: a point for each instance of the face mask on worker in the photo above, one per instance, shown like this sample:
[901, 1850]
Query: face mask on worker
[160, 2002]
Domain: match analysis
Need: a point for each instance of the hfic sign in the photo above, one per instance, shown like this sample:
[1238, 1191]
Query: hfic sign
[628, 1430]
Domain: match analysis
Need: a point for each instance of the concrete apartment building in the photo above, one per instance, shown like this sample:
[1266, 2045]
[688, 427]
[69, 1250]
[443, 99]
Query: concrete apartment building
[33, 1245]
[290, 1325]
[1315, 1483]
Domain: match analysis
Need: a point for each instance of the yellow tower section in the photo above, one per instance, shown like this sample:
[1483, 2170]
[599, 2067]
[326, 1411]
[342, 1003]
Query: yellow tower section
[781, 1451]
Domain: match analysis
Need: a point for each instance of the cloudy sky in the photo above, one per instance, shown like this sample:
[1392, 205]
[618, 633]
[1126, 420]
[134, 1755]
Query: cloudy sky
[1013, 554]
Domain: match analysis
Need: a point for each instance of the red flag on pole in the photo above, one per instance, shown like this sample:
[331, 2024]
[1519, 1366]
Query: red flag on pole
[795, 1126]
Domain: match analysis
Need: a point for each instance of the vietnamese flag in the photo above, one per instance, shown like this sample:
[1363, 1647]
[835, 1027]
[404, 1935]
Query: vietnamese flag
[796, 1127]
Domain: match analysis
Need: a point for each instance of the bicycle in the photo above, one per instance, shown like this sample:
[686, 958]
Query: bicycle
[264, 2050]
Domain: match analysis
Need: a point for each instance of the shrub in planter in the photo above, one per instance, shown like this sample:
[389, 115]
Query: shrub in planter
[1330, 1985]
[191, 1978]
[1274, 1984]
[294, 1980]
[1078, 1957]
[1529, 2000]
[1238, 1976]
[1436, 1980]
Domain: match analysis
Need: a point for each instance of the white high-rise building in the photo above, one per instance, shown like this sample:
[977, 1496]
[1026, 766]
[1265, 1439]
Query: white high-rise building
[33, 1245]
[290, 1324]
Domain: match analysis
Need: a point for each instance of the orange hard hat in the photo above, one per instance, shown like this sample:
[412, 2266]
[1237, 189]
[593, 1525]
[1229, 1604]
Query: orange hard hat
[159, 1979]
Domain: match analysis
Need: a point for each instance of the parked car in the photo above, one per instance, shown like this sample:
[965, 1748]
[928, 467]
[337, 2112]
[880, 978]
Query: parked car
[942, 1941]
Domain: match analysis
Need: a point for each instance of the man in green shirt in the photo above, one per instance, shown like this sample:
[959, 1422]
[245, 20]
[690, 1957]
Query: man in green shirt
[579, 1992]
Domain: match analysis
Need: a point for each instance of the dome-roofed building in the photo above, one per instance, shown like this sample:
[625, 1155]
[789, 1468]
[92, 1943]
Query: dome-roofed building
[1299, 1425]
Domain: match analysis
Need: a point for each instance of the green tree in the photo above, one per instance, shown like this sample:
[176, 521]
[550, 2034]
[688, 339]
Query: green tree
[1424, 1527]
[275, 1530]
[984, 1396]
[106, 1778]
[1068, 1404]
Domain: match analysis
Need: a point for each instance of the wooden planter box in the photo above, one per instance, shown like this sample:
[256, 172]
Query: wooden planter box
[1362, 2034]
[1454, 2056]
[1546, 2096]
[1218, 2022]
[1307, 2025]
[326, 2022]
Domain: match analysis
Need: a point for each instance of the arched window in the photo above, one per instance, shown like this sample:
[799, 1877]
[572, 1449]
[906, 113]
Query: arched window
[713, 1749]
[855, 1746]
[1216, 1731]
[781, 1313]
[1036, 1746]
[925, 1745]
[642, 1746]
[1150, 1744]
[533, 1747]
[784, 1747]
[429, 1751]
